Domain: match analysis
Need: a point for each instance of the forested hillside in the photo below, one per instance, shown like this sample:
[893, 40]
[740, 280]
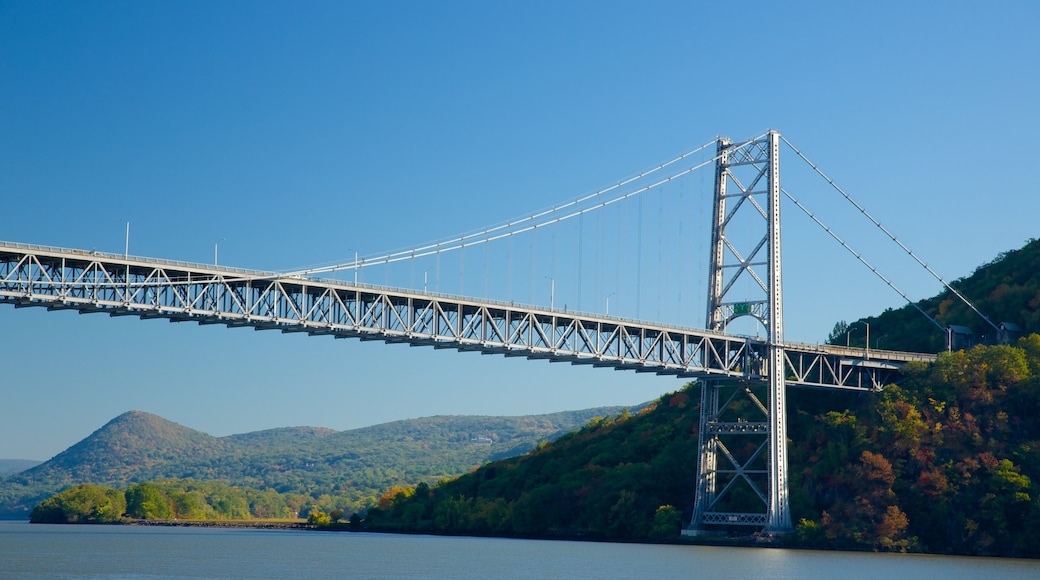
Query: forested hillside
[948, 461]
[1006, 289]
[345, 470]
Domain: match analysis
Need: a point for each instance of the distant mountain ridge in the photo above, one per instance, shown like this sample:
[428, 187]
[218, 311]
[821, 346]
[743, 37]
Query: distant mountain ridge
[359, 464]
[9, 466]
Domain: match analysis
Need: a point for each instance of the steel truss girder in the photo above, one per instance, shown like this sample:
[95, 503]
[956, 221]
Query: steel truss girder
[92, 282]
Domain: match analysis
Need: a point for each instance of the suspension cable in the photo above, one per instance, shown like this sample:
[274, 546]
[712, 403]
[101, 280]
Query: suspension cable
[533, 221]
[860, 258]
[889, 234]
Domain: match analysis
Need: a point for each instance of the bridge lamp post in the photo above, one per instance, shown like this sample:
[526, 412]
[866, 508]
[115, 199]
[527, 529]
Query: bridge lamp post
[126, 251]
[424, 277]
[355, 264]
[849, 333]
[216, 246]
[552, 292]
[607, 312]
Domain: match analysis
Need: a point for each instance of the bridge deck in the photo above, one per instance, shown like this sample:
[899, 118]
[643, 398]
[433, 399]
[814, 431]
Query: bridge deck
[58, 278]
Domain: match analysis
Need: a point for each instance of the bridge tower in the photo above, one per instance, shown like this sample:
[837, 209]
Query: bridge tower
[742, 475]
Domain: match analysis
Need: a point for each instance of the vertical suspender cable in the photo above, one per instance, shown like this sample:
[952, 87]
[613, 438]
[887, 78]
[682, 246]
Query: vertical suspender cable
[581, 239]
[660, 226]
[639, 255]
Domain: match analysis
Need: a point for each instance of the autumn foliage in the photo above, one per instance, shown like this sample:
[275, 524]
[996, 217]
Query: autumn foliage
[947, 462]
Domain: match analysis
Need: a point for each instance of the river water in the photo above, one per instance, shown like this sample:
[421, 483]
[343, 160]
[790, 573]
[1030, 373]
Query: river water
[131, 553]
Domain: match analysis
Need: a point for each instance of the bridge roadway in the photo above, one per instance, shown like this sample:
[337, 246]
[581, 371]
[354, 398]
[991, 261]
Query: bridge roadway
[119, 285]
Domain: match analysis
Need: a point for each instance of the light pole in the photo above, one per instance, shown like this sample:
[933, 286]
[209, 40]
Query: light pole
[355, 264]
[867, 349]
[216, 245]
[847, 334]
[552, 292]
[424, 275]
[607, 313]
[126, 251]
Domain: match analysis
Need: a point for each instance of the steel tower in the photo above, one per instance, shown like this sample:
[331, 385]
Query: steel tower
[742, 476]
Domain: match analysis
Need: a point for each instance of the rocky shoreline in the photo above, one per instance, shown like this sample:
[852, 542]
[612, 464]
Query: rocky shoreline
[259, 524]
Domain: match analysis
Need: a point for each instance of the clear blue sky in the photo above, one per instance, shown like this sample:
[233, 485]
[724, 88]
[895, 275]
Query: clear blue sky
[299, 132]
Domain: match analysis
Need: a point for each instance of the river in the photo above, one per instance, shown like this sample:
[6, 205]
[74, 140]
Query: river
[134, 552]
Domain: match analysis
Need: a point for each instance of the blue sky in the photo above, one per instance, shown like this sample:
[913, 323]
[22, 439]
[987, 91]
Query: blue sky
[299, 133]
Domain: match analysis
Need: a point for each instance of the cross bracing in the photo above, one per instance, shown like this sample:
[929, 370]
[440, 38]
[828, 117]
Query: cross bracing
[150, 288]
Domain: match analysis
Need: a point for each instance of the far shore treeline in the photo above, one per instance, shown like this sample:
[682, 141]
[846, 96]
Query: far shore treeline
[166, 500]
[947, 461]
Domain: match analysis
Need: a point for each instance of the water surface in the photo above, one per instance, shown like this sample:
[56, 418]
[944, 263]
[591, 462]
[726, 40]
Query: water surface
[133, 552]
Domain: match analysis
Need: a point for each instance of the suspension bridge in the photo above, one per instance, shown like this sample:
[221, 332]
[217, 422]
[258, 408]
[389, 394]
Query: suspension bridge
[743, 378]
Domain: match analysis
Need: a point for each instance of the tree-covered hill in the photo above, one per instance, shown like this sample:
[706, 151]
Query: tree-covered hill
[949, 462]
[1006, 289]
[347, 469]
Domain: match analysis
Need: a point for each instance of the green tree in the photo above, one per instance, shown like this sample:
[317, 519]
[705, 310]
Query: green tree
[146, 501]
[83, 503]
[318, 518]
[667, 522]
[837, 334]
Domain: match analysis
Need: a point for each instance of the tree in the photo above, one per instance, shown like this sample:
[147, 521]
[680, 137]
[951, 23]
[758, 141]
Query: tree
[667, 522]
[837, 335]
[319, 518]
[83, 503]
[145, 501]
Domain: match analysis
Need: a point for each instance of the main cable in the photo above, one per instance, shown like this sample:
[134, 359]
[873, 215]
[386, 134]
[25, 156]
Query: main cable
[535, 220]
[860, 258]
[889, 234]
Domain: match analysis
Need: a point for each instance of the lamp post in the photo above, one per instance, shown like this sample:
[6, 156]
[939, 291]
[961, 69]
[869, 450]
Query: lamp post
[424, 275]
[607, 312]
[847, 334]
[216, 246]
[355, 264]
[552, 292]
[126, 251]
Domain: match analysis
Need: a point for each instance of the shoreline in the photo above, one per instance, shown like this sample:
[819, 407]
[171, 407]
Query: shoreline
[258, 524]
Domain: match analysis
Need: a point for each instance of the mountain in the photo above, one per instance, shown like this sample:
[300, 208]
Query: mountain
[1006, 289]
[9, 466]
[356, 464]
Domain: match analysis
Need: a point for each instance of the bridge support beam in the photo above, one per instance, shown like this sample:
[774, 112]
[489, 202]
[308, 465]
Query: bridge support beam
[741, 483]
